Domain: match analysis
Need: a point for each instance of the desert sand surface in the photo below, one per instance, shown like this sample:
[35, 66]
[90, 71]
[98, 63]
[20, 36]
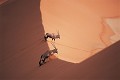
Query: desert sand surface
[89, 46]
[86, 27]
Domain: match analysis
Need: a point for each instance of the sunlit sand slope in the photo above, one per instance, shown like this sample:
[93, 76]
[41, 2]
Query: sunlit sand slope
[86, 26]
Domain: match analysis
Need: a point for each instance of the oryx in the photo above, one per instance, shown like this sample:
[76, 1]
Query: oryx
[52, 35]
[47, 54]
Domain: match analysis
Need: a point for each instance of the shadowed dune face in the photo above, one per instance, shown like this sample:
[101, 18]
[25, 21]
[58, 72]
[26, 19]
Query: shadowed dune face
[85, 26]
[21, 38]
[2, 1]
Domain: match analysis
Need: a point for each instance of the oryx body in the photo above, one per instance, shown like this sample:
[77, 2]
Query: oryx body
[46, 55]
[52, 35]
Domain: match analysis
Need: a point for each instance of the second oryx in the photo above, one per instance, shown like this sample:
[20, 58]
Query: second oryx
[47, 54]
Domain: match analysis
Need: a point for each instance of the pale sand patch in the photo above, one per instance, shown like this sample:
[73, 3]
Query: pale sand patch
[114, 24]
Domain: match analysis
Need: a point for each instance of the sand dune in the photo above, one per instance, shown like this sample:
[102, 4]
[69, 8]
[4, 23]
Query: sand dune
[22, 27]
[82, 25]
[2, 1]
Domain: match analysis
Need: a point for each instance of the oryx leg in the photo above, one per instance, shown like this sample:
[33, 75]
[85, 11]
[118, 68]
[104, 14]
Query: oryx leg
[45, 37]
[43, 60]
[53, 39]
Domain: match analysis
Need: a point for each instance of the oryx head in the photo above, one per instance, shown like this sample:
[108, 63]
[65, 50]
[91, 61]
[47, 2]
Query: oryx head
[54, 50]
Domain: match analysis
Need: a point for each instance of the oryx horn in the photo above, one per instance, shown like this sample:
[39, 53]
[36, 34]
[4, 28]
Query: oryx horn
[58, 32]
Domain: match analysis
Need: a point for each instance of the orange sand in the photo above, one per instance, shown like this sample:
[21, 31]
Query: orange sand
[82, 26]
